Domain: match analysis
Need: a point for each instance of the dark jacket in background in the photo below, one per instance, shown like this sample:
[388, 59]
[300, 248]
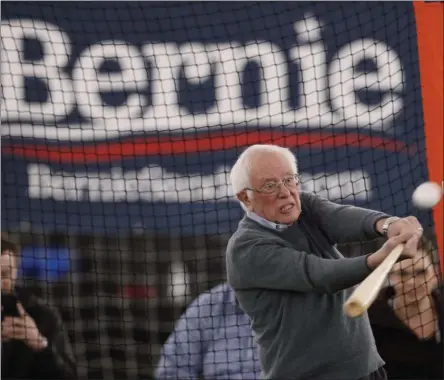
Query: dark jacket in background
[54, 362]
[407, 356]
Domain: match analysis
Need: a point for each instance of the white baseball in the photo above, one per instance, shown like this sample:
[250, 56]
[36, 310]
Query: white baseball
[427, 195]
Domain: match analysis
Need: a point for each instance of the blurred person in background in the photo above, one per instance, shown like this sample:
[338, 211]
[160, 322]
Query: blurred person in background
[407, 318]
[34, 343]
[213, 340]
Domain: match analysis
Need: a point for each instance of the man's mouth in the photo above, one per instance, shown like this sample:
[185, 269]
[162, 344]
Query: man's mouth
[287, 208]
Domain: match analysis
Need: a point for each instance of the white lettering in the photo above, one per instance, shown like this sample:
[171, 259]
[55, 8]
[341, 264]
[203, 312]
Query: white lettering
[345, 81]
[155, 184]
[196, 62]
[166, 62]
[152, 103]
[312, 58]
[273, 84]
[343, 186]
[37, 177]
[89, 83]
[49, 69]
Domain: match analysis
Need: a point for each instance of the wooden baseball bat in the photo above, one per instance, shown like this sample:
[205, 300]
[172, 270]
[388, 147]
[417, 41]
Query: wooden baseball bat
[367, 291]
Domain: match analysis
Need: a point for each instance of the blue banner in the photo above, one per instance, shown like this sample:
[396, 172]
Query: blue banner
[123, 116]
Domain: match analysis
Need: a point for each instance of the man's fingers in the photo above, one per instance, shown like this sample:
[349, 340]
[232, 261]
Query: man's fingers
[410, 219]
[18, 322]
[13, 325]
[6, 332]
[20, 309]
[414, 225]
[396, 240]
[7, 322]
[414, 221]
[406, 225]
[413, 243]
[13, 322]
[12, 332]
[411, 246]
[404, 237]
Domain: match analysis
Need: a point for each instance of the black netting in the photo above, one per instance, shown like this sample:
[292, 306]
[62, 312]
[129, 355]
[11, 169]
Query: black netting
[120, 124]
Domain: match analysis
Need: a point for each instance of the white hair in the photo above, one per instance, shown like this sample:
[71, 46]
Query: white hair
[240, 172]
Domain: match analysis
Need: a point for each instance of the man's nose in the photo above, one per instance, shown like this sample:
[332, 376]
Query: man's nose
[284, 191]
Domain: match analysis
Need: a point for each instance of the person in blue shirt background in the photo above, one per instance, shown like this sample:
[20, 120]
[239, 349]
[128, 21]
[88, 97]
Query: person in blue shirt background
[212, 340]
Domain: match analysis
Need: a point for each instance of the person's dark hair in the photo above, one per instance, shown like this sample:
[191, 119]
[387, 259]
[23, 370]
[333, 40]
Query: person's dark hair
[9, 245]
[428, 244]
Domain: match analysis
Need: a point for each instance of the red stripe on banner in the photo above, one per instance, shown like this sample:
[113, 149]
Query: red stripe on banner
[161, 146]
[429, 27]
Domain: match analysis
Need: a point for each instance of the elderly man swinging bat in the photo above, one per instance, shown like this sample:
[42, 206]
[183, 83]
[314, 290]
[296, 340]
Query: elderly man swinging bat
[290, 279]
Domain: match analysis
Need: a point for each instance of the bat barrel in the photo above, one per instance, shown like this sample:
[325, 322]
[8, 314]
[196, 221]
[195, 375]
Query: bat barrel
[366, 292]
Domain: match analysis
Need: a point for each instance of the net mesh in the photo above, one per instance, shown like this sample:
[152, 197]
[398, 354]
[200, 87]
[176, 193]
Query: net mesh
[120, 123]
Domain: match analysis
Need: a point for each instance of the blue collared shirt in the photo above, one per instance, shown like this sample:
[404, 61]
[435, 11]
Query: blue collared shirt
[266, 223]
[213, 339]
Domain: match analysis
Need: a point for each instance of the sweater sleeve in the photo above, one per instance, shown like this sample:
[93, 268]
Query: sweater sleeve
[343, 223]
[259, 262]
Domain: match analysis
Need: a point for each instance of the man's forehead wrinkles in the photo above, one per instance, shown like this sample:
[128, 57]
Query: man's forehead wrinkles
[271, 170]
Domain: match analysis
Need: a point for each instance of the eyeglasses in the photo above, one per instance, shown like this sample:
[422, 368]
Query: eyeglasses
[290, 182]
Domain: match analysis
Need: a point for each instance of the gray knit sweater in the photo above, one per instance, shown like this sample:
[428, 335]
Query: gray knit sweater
[293, 283]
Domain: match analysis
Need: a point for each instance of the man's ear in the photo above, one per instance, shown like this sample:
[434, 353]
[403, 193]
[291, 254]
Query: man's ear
[243, 197]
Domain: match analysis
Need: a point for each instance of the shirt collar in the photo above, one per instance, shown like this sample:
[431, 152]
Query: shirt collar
[267, 223]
